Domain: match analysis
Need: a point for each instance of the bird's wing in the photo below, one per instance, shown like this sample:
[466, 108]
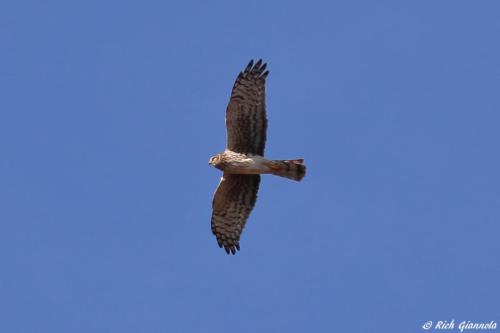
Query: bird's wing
[233, 201]
[246, 121]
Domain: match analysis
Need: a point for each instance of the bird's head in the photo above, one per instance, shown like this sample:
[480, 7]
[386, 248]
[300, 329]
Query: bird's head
[215, 160]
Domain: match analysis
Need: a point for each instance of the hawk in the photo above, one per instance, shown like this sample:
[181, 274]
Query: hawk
[242, 162]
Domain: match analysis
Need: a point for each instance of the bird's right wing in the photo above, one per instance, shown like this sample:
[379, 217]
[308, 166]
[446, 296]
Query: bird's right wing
[233, 201]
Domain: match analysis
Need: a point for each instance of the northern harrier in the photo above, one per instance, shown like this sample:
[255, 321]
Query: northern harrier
[243, 159]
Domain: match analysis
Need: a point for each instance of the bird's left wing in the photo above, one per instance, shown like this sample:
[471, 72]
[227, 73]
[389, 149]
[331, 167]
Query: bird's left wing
[246, 121]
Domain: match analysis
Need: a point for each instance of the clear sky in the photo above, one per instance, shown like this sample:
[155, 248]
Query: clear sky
[109, 112]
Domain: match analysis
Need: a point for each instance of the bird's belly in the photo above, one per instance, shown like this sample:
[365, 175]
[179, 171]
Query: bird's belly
[250, 166]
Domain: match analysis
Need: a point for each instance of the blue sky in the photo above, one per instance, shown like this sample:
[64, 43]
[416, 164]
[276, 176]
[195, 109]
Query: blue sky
[110, 111]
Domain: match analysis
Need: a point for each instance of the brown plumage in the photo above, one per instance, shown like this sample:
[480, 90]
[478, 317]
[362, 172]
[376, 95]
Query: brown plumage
[243, 159]
[294, 169]
[233, 201]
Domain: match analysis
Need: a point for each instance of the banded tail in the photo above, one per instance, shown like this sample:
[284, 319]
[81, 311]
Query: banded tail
[292, 169]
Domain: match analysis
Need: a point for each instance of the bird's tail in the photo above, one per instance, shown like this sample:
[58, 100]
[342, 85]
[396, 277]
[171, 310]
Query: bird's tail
[292, 169]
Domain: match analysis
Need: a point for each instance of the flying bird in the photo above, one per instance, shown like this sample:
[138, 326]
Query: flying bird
[242, 162]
